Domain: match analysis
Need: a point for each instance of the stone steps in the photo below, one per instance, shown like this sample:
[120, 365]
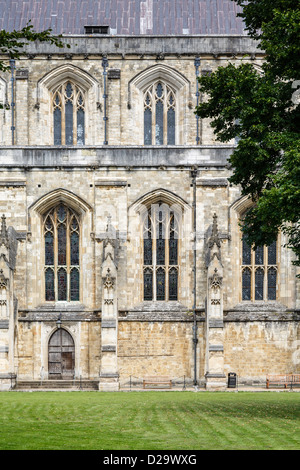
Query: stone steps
[57, 385]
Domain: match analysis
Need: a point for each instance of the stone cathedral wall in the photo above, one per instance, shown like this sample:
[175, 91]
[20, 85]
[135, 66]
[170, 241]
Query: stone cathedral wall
[251, 350]
[112, 182]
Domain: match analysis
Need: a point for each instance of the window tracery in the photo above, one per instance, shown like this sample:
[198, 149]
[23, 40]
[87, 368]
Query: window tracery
[159, 114]
[259, 272]
[69, 114]
[62, 265]
[160, 253]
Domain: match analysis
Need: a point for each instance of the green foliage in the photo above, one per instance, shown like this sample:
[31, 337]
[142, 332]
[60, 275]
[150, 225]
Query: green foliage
[259, 108]
[12, 43]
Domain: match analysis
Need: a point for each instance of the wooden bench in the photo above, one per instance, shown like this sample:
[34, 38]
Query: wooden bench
[277, 380]
[287, 379]
[155, 380]
[296, 379]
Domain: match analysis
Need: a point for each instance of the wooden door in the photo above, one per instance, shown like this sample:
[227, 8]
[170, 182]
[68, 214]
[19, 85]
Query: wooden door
[61, 356]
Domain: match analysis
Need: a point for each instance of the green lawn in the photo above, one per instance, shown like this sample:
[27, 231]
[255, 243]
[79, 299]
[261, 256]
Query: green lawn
[149, 420]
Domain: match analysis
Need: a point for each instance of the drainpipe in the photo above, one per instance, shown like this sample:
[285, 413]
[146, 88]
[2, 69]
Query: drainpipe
[105, 65]
[197, 65]
[12, 68]
[195, 338]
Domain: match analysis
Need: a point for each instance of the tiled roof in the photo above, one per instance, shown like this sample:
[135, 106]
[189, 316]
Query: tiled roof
[129, 17]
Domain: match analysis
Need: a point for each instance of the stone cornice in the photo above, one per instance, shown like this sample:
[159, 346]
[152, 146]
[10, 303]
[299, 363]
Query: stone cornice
[128, 157]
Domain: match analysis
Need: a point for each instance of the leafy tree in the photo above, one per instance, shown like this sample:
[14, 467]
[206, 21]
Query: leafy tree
[12, 43]
[262, 110]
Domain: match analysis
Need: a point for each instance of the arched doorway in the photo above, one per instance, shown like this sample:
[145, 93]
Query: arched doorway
[61, 356]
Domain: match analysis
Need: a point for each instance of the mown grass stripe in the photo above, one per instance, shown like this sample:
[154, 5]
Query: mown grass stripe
[149, 420]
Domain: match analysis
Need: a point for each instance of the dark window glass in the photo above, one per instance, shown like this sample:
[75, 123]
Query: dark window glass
[49, 285]
[173, 252]
[246, 284]
[69, 122]
[159, 125]
[160, 252]
[80, 127]
[69, 90]
[74, 249]
[61, 232]
[57, 126]
[272, 280]
[62, 213]
[159, 114]
[171, 126]
[62, 245]
[160, 284]
[272, 253]
[49, 249]
[148, 126]
[173, 244]
[259, 255]
[246, 253]
[68, 100]
[159, 90]
[147, 241]
[147, 251]
[173, 284]
[62, 284]
[259, 284]
[74, 288]
[148, 284]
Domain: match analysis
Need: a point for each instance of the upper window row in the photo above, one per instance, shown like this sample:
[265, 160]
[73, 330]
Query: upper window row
[68, 102]
[69, 115]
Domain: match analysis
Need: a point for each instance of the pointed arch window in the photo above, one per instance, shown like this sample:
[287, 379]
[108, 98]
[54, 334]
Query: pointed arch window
[259, 272]
[62, 246]
[68, 114]
[159, 114]
[161, 269]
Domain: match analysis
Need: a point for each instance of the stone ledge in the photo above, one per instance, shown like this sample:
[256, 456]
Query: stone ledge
[53, 316]
[4, 325]
[260, 311]
[212, 182]
[216, 324]
[10, 183]
[108, 324]
[108, 348]
[215, 347]
[260, 316]
[214, 376]
[148, 44]
[58, 157]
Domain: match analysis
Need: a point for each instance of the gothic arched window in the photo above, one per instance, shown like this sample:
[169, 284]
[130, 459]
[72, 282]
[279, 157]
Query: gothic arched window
[68, 114]
[160, 253]
[159, 114]
[61, 237]
[259, 272]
